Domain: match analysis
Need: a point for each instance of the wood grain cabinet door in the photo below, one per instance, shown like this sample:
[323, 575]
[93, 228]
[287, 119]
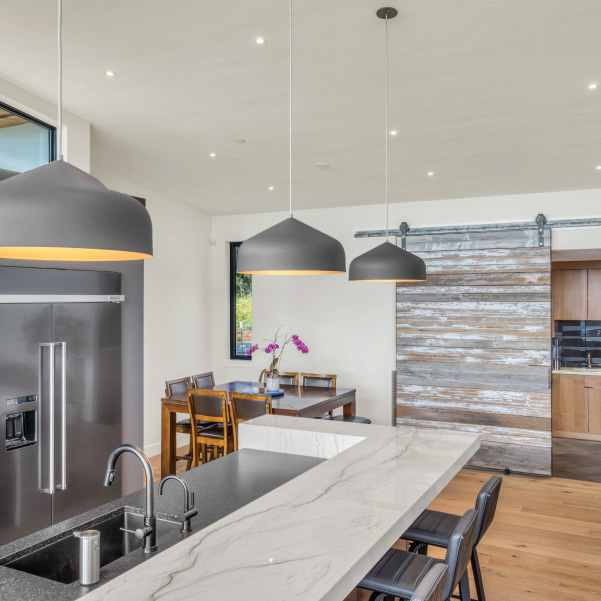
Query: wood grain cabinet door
[594, 404]
[594, 294]
[569, 294]
[570, 404]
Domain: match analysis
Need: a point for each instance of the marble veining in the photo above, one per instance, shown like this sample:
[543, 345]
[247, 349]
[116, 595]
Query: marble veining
[314, 537]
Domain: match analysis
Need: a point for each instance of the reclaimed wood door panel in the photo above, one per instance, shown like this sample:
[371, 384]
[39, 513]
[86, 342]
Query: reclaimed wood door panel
[473, 350]
[472, 399]
[474, 355]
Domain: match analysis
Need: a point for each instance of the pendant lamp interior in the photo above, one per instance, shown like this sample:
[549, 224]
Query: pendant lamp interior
[291, 247]
[387, 262]
[58, 212]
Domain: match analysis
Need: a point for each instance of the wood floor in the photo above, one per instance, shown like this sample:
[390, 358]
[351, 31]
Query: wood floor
[577, 459]
[545, 541]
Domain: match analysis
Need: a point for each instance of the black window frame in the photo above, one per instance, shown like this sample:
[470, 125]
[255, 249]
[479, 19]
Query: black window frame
[234, 246]
[51, 129]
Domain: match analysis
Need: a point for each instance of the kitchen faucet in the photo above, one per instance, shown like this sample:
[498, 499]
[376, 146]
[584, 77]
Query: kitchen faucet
[188, 500]
[148, 533]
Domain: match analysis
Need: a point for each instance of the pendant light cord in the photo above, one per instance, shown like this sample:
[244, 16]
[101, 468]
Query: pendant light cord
[59, 133]
[386, 129]
[290, 103]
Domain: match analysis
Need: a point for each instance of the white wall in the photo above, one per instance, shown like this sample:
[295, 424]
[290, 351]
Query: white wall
[177, 302]
[350, 326]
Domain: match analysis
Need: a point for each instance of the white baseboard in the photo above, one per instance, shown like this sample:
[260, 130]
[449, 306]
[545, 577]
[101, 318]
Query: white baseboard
[155, 448]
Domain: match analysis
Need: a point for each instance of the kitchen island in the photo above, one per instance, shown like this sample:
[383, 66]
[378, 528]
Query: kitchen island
[314, 536]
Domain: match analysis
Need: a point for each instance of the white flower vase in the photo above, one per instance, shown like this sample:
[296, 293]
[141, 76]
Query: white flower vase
[272, 383]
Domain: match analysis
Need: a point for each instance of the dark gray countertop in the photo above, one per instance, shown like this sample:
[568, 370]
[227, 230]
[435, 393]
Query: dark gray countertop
[220, 487]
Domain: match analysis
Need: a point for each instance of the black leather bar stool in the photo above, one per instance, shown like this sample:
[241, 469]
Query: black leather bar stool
[399, 573]
[431, 588]
[435, 528]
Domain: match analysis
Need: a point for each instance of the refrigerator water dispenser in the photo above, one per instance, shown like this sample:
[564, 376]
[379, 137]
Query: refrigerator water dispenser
[20, 429]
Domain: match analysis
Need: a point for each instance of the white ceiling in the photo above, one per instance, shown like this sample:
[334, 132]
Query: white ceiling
[491, 96]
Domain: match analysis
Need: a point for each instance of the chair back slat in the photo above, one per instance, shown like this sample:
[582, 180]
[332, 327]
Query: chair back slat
[321, 380]
[179, 386]
[459, 550]
[206, 380]
[486, 505]
[431, 587]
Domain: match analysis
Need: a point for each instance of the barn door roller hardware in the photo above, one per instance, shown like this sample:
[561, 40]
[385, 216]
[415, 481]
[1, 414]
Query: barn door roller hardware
[540, 223]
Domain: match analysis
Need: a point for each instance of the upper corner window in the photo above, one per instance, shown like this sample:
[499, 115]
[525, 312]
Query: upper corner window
[241, 305]
[25, 142]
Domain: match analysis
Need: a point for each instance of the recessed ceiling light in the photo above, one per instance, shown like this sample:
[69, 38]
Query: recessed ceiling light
[430, 173]
[212, 154]
[270, 188]
[598, 167]
[393, 132]
[593, 86]
[260, 40]
[109, 73]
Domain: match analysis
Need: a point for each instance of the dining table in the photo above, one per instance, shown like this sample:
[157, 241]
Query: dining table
[297, 401]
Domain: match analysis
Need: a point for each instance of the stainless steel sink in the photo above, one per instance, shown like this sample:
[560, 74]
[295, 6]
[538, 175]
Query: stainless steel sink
[58, 560]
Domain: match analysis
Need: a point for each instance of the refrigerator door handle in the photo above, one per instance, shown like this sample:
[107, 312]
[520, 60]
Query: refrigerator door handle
[62, 485]
[46, 414]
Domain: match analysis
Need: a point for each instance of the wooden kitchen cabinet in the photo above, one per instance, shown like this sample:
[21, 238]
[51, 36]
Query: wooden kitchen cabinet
[594, 294]
[569, 294]
[594, 410]
[576, 406]
[569, 403]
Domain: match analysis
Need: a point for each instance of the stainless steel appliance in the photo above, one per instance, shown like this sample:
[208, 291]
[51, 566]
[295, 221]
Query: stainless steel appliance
[60, 394]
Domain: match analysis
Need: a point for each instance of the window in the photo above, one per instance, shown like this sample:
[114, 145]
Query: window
[25, 142]
[241, 304]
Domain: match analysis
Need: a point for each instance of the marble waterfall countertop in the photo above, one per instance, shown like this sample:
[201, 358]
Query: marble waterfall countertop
[316, 536]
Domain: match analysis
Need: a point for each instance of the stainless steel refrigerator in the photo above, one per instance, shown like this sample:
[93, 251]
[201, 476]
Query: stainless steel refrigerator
[60, 394]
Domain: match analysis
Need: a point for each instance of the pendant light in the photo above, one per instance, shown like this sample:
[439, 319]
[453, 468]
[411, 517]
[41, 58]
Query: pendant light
[387, 262]
[58, 212]
[291, 247]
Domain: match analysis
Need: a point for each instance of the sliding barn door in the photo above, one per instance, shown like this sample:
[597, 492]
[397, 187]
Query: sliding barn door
[473, 345]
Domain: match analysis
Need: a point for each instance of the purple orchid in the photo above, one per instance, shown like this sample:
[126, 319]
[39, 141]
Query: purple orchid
[272, 347]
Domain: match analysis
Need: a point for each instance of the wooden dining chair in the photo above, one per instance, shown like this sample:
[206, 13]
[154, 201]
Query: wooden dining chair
[181, 386]
[247, 406]
[206, 380]
[288, 378]
[321, 380]
[209, 406]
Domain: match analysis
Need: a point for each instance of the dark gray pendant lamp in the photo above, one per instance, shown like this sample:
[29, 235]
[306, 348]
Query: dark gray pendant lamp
[387, 262]
[58, 212]
[291, 247]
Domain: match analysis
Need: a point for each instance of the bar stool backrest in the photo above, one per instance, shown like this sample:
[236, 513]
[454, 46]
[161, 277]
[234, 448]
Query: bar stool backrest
[206, 380]
[486, 505]
[459, 550]
[431, 588]
[321, 380]
[179, 386]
